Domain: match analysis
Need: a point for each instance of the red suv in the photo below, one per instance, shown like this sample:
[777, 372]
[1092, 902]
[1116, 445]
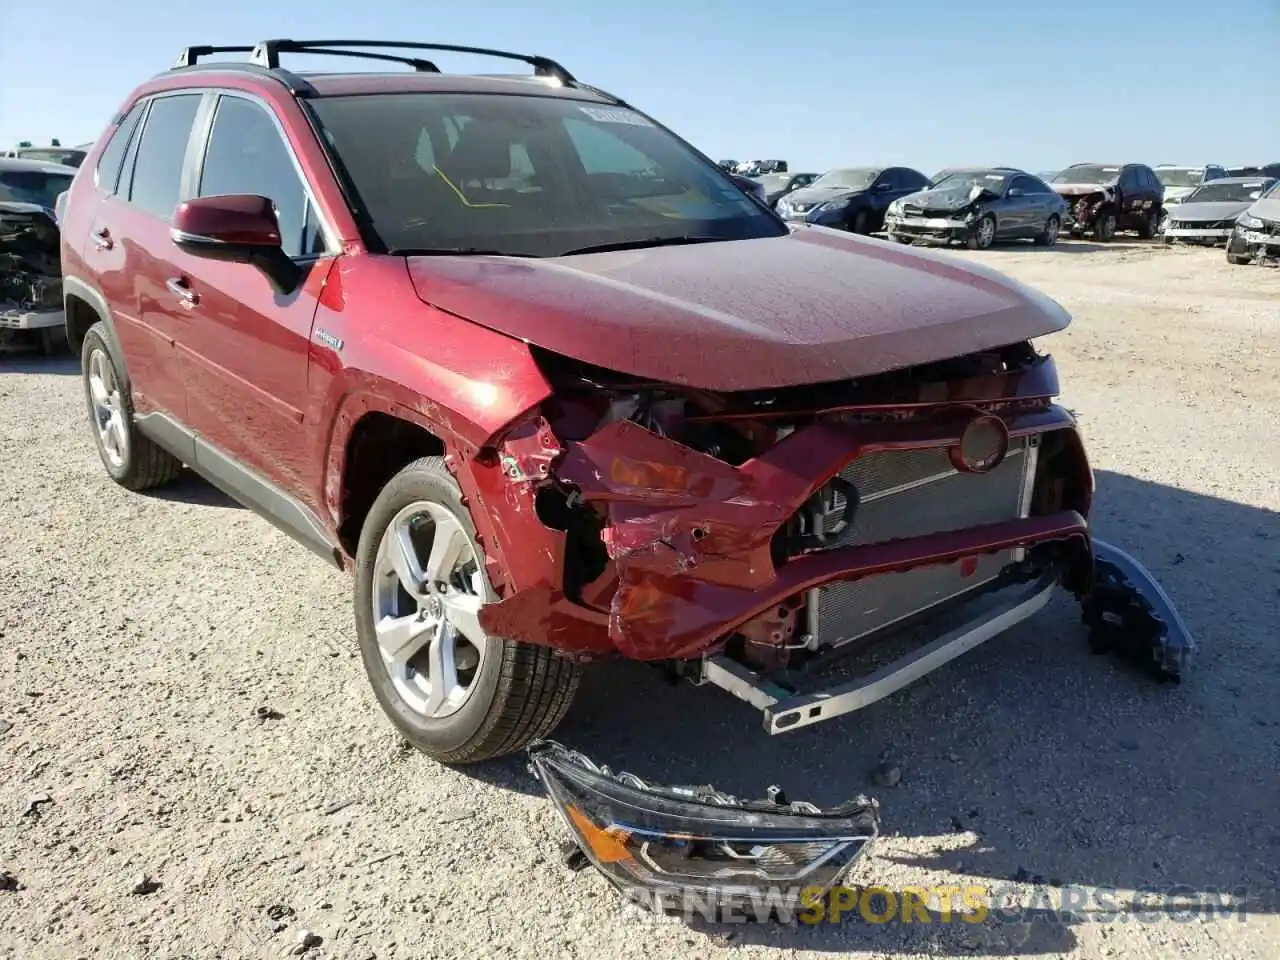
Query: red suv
[554, 388]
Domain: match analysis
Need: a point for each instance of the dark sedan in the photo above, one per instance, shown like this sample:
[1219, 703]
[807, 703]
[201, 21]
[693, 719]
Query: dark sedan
[979, 207]
[778, 185]
[853, 198]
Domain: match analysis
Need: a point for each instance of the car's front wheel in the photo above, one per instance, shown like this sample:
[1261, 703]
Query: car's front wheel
[861, 223]
[1104, 228]
[983, 235]
[455, 692]
[131, 458]
[1150, 226]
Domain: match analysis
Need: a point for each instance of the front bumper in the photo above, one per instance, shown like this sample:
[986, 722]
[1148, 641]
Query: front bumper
[1196, 233]
[31, 319]
[936, 229]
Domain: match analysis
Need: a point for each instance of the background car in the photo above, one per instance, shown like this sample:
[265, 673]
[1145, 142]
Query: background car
[1208, 214]
[1257, 231]
[1103, 198]
[65, 156]
[852, 198]
[30, 254]
[778, 185]
[978, 207]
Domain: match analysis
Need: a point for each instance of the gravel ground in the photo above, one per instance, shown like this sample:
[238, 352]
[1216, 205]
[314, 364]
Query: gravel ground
[180, 697]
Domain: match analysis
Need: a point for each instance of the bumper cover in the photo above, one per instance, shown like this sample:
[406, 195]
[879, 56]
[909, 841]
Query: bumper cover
[928, 228]
[31, 319]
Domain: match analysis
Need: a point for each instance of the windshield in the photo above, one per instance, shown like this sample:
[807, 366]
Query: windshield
[32, 186]
[1088, 173]
[1274, 192]
[856, 178]
[966, 179]
[1215, 191]
[1180, 176]
[527, 175]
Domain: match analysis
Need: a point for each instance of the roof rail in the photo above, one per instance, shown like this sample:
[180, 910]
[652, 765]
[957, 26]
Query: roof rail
[191, 55]
[267, 54]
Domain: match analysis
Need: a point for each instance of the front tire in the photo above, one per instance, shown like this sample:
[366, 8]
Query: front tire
[1104, 228]
[131, 458]
[1238, 259]
[454, 692]
[983, 235]
[861, 223]
[1150, 226]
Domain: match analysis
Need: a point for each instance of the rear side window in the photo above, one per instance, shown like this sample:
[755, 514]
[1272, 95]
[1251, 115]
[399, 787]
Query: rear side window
[157, 171]
[113, 155]
[246, 154]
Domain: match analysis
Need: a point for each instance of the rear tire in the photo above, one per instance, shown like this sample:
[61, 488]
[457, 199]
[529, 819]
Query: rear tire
[1049, 237]
[131, 458]
[515, 693]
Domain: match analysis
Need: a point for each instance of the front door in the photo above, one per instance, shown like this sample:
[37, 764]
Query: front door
[244, 348]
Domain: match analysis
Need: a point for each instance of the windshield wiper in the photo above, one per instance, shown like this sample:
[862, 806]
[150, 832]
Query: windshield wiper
[452, 252]
[640, 244]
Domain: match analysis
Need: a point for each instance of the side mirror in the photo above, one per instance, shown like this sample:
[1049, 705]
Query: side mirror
[1017, 192]
[881, 187]
[236, 228]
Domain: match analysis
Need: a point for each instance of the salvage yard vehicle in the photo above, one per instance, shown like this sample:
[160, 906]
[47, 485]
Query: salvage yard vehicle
[30, 272]
[1104, 198]
[778, 185]
[1209, 213]
[853, 199]
[978, 207]
[64, 156]
[556, 390]
[1256, 234]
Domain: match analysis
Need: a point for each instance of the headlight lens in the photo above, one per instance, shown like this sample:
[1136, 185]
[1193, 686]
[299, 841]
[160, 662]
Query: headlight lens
[1248, 222]
[834, 205]
[696, 841]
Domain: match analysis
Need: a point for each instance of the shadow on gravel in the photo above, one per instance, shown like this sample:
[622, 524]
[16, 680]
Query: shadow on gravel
[64, 365]
[191, 488]
[1029, 758]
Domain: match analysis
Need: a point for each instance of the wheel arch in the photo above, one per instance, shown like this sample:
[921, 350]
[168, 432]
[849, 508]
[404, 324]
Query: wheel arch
[84, 305]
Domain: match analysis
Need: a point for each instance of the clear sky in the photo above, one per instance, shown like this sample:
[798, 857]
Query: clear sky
[820, 83]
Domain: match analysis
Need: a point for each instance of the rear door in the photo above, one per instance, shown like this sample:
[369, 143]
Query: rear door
[243, 348]
[128, 249]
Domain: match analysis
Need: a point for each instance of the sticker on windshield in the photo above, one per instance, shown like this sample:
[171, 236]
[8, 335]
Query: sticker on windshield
[615, 115]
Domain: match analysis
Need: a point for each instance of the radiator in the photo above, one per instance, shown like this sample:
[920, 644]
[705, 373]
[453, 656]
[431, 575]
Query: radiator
[909, 494]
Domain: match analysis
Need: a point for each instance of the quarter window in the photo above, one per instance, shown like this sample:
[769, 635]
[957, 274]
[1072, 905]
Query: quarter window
[113, 155]
[162, 150]
[246, 155]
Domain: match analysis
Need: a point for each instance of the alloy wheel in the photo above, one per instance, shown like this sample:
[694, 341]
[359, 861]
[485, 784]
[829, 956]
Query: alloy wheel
[986, 232]
[108, 409]
[428, 588]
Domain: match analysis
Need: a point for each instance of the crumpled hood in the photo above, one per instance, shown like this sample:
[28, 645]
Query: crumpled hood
[1214, 210]
[1079, 189]
[814, 195]
[1268, 208]
[814, 306]
[952, 198]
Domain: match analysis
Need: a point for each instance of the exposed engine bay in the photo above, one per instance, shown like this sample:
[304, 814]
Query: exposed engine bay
[1084, 204]
[30, 271]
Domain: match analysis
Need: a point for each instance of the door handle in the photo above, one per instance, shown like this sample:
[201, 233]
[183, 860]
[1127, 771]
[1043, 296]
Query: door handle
[179, 287]
[102, 239]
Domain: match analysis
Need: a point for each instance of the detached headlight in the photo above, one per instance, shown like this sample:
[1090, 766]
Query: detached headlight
[664, 846]
[895, 208]
[1248, 222]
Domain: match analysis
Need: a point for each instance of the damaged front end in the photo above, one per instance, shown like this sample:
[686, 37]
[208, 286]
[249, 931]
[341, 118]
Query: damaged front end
[30, 273]
[753, 540]
[677, 848]
[1084, 205]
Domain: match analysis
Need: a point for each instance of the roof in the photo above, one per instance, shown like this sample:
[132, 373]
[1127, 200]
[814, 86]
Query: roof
[35, 166]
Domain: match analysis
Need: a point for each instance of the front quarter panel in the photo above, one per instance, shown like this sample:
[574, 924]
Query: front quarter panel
[376, 347]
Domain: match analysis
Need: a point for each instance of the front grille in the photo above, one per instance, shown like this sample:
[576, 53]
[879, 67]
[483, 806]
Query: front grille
[910, 494]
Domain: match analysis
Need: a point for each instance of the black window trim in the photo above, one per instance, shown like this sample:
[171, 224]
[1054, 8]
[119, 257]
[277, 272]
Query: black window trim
[130, 160]
[202, 130]
[140, 105]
